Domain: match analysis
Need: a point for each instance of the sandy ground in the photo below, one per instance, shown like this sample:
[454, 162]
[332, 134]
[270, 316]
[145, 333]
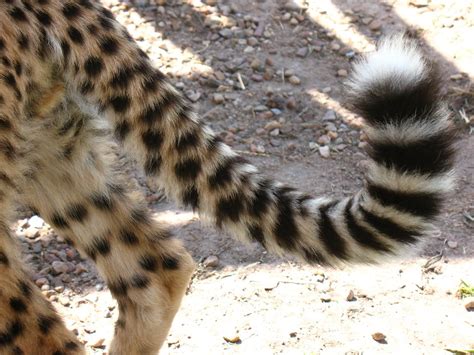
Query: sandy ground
[236, 59]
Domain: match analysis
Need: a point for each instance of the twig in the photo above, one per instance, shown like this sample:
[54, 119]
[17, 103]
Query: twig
[202, 49]
[210, 112]
[434, 259]
[242, 86]
[303, 111]
[253, 153]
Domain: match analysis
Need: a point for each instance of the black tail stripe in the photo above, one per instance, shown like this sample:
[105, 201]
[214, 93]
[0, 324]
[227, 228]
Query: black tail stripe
[433, 155]
[383, 104]
[328, 234]
[285, 229]
[390, 228]
[261, 200]
[423, 204]
[314, 257]
[256, 233]
[361, 234]
[223, 174]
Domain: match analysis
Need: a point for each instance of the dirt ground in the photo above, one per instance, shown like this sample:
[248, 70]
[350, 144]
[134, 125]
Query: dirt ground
[268, 76]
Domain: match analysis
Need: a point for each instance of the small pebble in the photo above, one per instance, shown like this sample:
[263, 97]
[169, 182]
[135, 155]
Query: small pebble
[324, 151]
[342, 73]
[211, 261]
[294, 80]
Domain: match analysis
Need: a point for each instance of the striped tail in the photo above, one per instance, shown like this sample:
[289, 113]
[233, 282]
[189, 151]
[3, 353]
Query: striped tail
[411, 150]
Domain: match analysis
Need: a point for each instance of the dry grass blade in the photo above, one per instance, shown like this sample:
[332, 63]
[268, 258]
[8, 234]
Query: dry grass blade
[465, 290]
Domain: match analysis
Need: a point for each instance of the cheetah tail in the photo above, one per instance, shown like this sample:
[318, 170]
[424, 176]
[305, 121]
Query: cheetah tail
[394, 89]
[411, 148]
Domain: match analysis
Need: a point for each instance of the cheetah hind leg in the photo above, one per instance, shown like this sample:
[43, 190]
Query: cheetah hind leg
[94, 208]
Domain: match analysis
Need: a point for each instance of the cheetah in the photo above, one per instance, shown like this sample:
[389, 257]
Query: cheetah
[73, 84]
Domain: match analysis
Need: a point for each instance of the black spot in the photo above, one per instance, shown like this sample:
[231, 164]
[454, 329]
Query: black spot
[191, 197]
[120, 104]
[285, 228]
[423, 204]
[159, 108]
[71, 11]
[66, 49]
[9, 79]
[152, 164]
[188, 169]
[77, 212]
[100, 245]
[2, 44]
[18, 69]
[44, 46]
[6, 62]
[152, 81]
[44, 18]
[109, 45]
[92, 28]
[5, 124]
[188, 141]
[8, 149]
[152, 140]
[86, 4]
[93, 66]
[18, 14]
[129, 237]
[70, 345]
[18, 305]
[149, 262]
[224, 172]
[120, 323]
[118, 288]
[17, 351]
[140, 281]
[25, 289]
[122, 78]
[170, 263]
[361, 234]
[106, 23]
[58, 221]
[13, 331]
[107, 13]
[86, 87]
[390, 228]
[102, 201]
[4, 259]
[59, 352]
[122, 129]
[46, 323]
[75, 35]
[23, 41]
[229, 208]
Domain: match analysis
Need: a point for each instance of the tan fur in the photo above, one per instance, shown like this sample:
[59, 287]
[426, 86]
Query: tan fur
[71, 78]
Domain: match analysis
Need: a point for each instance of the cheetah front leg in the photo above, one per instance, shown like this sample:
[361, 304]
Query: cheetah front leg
[28, 323]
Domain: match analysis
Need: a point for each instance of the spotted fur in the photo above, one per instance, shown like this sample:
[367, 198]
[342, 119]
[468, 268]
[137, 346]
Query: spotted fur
[67, 68]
